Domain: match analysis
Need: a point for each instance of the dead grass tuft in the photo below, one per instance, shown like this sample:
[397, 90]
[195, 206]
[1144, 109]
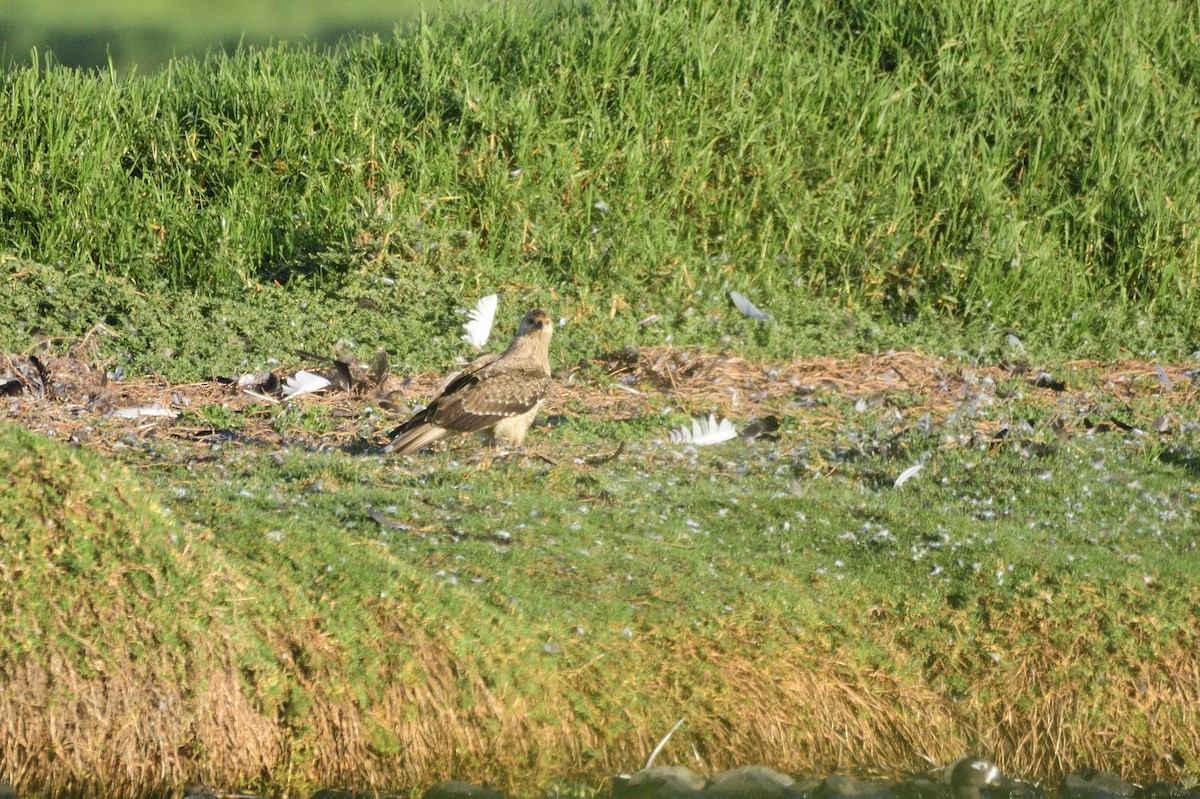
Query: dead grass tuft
[129, 735]
[127, 732]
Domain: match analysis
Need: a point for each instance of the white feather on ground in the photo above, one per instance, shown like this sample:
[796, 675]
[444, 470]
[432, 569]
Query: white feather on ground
[142, 411]
[908, 474]
[661, 744]
[303, 382]
[1164, 378]
[748, 308]
[479, 321]
[252, 378]
[704, 432]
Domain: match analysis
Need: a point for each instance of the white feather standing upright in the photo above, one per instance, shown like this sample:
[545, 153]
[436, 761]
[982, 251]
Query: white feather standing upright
[479, 321]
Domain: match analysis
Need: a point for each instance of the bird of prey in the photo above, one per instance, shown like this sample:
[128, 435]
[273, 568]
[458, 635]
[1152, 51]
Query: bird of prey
[496, 394]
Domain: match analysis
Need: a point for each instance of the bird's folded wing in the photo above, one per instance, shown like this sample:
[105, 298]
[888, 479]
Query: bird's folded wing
[454, 379]
[480, 402]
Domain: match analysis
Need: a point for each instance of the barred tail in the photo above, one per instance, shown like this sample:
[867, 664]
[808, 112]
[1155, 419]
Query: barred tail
[415, 437]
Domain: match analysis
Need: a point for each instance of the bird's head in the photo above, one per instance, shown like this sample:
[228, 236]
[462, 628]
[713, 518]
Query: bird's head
[535, 321]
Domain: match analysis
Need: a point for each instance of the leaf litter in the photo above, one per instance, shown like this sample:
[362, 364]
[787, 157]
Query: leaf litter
[70, 395]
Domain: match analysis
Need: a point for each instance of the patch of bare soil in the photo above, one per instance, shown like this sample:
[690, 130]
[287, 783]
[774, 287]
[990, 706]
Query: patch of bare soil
[71, 395]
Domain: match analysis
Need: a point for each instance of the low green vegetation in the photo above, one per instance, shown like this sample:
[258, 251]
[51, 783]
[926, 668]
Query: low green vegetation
[952, 173]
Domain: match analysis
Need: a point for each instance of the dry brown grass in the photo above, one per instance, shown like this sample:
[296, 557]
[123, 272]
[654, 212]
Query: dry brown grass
[127, 734]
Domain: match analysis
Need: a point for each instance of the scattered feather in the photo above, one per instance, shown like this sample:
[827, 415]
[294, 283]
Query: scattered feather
[596, 460]
[1164, 379]
[260, 381]
[40, 377]
[1047, 380]
[303, 382]
[312, 356]
[661, 744]
[258, 395]
[342, 378]
[142, 411]
[379, 368]
[479, 321]
[761, 428]
[387, 521]
[704, 432]
[908, 474]
[748, 308]
[1121, 425]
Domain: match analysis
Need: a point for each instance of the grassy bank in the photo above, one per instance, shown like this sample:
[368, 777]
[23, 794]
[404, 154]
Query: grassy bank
[977, 168]
[303, 611]
[296, 609]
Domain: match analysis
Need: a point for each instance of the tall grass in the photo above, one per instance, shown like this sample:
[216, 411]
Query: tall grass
[1028, 165]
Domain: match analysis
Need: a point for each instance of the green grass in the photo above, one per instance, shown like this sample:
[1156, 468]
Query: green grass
[944, 174]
